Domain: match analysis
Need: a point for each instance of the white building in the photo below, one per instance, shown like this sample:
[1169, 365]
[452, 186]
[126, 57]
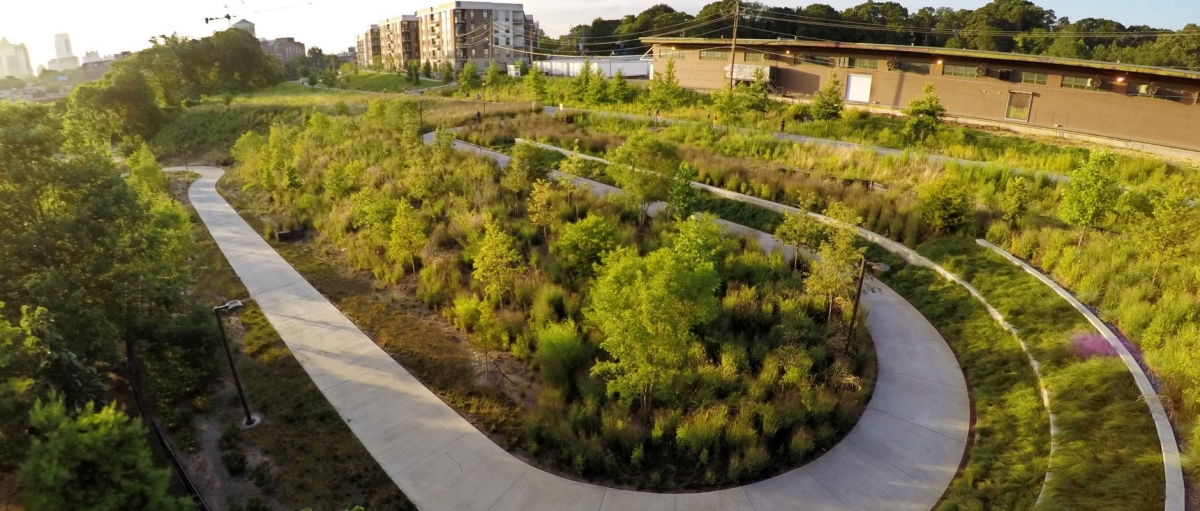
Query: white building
[66, 60]
[631, 66]
[14, 60]
[246, 26]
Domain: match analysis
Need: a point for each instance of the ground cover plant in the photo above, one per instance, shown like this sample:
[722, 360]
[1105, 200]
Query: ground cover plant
[930, 208]
[539, 271]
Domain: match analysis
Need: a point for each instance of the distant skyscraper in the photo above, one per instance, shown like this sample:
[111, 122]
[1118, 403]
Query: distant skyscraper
[14, 60]
[66, 60]
[62, 46]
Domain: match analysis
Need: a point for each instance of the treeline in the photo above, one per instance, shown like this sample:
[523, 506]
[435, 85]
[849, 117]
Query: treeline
[133, 99]
[96, 271]
[1001, 25]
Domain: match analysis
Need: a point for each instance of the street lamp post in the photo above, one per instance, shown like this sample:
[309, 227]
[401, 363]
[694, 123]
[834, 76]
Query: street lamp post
[232, 305]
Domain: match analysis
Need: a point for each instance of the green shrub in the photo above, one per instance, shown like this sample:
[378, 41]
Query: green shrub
[234, 462]
[700, 433]
[559, 351]
[548, 305]
[467, 311]
[749, 463]
[801, 443]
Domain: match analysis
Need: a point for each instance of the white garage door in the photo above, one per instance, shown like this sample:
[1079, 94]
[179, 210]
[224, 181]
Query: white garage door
[858, 88]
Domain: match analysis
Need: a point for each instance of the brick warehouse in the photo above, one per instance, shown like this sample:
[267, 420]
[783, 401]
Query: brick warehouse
[1114, 103]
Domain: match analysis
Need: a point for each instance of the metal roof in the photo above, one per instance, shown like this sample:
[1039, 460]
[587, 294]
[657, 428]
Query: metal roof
[937, 52]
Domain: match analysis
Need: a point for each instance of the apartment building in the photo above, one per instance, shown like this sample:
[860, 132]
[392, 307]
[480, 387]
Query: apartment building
[368, 48]
[283, 48]
[456, 32]
[1105, 102]
[399, 41]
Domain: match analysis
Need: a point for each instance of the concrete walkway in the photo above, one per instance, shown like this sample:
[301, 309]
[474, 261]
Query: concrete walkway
[901, 455]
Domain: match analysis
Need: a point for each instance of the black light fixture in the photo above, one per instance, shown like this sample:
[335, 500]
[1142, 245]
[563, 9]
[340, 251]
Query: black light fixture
[230, 306]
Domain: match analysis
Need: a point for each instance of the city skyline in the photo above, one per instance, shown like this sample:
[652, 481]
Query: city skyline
[127, 25]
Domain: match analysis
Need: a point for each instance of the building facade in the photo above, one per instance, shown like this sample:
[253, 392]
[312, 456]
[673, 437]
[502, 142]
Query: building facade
[246, 26]
[1113, 101]
[283, 48]
[14, 60]
[368, 48]
[399, 41]
[65, 59]
[456, 32]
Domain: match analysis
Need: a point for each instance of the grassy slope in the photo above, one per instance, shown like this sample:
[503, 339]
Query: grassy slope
[384, 82]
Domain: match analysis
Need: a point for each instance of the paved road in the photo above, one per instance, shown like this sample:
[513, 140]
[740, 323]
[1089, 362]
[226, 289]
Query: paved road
[901, 455]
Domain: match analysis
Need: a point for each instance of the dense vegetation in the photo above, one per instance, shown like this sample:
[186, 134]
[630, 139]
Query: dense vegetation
[1019, 26]
[554, 276]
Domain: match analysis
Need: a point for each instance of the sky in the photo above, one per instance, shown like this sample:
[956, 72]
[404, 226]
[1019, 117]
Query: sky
[111, 26]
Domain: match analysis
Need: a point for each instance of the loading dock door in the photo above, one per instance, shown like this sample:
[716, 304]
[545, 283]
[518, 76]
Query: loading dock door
[858, 88]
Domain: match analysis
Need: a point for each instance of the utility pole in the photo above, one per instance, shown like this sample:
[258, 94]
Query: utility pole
[733, 47]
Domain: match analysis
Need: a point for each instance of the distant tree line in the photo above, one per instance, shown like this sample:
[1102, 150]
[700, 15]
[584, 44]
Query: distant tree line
[1018, 26]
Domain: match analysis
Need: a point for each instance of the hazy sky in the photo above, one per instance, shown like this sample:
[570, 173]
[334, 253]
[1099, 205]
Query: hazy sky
[110, 26]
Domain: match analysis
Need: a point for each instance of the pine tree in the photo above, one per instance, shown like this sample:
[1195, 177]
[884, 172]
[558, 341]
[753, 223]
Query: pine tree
[618, 88]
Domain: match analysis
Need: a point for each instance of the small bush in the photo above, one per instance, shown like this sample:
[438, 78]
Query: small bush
[467, 311]
[559, 352]
[262, 475]
[700, 433]
[235, 462]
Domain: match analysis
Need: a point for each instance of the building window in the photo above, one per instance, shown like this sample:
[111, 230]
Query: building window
[1033, 78]
[714, 54]
[472, 52]
[755, 56]
[1079, 83]
[485, 53]
[864, 63]
[964, 71]
[816, 60]
[1018, 106]
[921, 68]
[670, 53]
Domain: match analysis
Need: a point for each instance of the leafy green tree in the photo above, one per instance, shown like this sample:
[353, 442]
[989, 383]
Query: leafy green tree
[1164, 234]
[412, 72]
[145, 172]
[468, 76]
[597, 91]
[682, 197]
[493, 76]
[924, 114]
[757, 93]
[583, 81]
[427, 69]
[541, 210]
[945, 204]
[526, 166]
[497, 263]
[799, 231]
[446, 71]
[833, 274]
[643, 169]
[93, 460]
[1014, 203]
[583, 243]
[618, 88]
[827, 103]
[665, 92]
[535, 83]
[1091, 194]
[408, 234]
[701, 241]
[646, 307]
[372, 216]
[120, 105]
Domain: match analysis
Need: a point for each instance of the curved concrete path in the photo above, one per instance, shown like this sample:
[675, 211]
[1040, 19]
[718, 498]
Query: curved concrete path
[902, 454]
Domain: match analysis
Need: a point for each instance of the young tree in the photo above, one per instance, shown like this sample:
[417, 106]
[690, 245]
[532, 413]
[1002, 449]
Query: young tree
[541, 210]
[92, 460]
[665, 92]
[446, 71]
[1091, 194]
[468, 77]
[682, 197]
[408, 234]
[493, 76]
[144, 171]
[646, 307]
[701, 241]
[597, 91]
[924, 114]
[583, 81]
[618, 88]
[729, 101]
[497, 263]
[1164, 234]
[757, 94]
[945, 204]
[799, 231]
[827, 103]
[412, 72]
[1014, 203]
[832, 275]
[535, 83]
[583, 243]
[427, 69]
[643, 169]
[526, 166]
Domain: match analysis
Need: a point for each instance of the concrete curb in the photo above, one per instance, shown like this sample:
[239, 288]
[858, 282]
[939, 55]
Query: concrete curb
[1175, 489]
